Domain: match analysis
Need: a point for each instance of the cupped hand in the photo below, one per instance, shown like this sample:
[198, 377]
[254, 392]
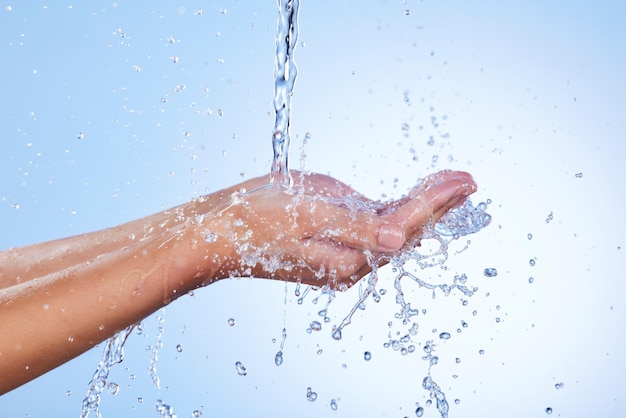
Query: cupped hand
[320, 231]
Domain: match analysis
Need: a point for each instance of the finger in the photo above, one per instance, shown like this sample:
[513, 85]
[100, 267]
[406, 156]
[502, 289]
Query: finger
[432, 199]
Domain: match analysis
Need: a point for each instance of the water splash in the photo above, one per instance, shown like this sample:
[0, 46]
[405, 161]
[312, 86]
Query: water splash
[154, 354]
[286, 72]
[165, 410]
[463, 220]
[436, 393]
[112, 355]
[278, 359]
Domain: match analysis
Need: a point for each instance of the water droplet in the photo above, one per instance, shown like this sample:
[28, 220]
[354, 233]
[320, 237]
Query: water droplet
[419, 412]
[279, 358]
[481, 352]
[231, 322]
[559, 385]
[548, 410]
[114, 388]
[165, 410]
[209, 236]
[579, 175]
[458, 360]
[405, 127]
[196, 414]
[70, 338]
[174, 59]
[530, 236]
[241, 370]
[179, 348]
[81, 135]
[139, 399]
[310, 395]
[531, 279]
[333, 404]
[315, 325]
[15, 206]
[531, 262]
[491, 272]
[367, 356]
[336, 334]
[444, 335]
[68, 392]
[407, 12]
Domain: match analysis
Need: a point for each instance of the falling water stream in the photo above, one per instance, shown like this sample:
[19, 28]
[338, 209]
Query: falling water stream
[285, 78]
[463, 220]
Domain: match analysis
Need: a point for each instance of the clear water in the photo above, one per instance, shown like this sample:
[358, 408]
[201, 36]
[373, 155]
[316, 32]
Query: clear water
[113, 354]
[463, 220]
[154, 353]
[285, 78]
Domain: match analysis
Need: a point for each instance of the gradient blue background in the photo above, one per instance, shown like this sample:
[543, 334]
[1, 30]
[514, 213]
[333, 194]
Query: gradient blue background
[96, 131]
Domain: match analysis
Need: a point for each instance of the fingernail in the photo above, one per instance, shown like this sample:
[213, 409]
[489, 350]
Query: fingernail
[390, 237]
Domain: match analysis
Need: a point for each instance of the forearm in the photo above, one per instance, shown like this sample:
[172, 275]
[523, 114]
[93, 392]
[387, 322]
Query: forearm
[19, 265]
[51, 319]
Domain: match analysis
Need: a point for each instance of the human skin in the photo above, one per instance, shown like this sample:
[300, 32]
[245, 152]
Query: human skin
[70, 294]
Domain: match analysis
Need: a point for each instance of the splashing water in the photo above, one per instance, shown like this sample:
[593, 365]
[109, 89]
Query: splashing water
[435, 392]
[463, 220]
[286, 72]
[113, 354]
[165, 410]
[154, 353]
[278, 359]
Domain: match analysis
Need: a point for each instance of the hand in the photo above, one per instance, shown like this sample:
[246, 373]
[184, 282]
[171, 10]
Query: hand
[319, 232]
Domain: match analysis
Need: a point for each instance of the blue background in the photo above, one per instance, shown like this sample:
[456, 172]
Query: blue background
[99, 126]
